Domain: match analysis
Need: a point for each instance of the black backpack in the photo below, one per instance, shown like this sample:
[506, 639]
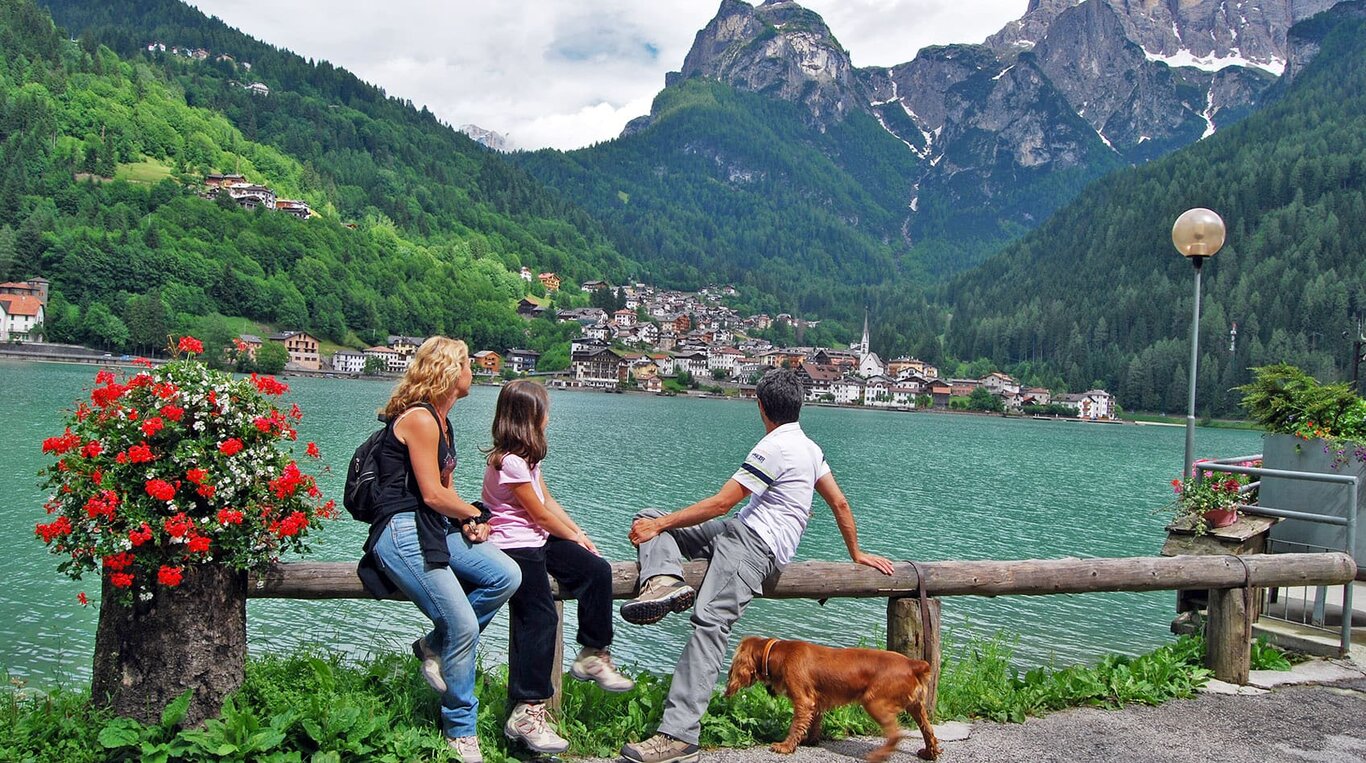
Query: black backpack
[362, 478]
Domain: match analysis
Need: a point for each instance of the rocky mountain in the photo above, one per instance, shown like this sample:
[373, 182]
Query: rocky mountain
[1004, 132]
[484, 137]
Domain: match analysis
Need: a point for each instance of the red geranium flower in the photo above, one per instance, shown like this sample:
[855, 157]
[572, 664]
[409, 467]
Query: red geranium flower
[170, 576]
[178, 526]
[160, 489]
[92, 449]
[140, 454]
[140, 536]
[313, 450]
[229, 517]
[153, 425]
[197, 475]
[172, 412]
[121, 580]
[268, 385]
[59, 445]
[230, 447]
[119, 562]
[80, 597]
[55, 529]
[189, 344]
[199, 544]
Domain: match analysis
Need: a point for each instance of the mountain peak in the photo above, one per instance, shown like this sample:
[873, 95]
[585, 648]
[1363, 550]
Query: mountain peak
[779, 49]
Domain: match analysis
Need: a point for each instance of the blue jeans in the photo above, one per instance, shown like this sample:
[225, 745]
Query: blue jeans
[490, 578]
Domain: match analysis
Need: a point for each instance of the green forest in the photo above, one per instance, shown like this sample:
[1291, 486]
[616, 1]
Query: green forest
[1100, 295]
[100, 163]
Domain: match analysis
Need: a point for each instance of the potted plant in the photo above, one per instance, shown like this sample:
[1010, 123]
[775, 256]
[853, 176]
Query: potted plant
[170, 484]
[1211, 500]
[1315, 428]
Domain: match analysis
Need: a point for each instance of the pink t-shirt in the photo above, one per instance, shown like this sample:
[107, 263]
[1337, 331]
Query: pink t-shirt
[511, 526]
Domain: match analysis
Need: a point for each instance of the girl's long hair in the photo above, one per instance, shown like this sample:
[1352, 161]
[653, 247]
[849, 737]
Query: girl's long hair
[518, 423]
[431, 375]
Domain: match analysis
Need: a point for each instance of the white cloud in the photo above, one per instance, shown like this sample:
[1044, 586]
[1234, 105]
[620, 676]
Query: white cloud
[563, 74]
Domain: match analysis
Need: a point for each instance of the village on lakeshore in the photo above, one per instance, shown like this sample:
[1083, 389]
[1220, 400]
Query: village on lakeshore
[664, 341]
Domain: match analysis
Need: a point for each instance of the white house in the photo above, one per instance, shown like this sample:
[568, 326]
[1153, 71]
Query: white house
[1001, 385]
[723, 358]
[695, 363]
[877, 390]
[521, 361]
[348, 361]
[848, 390]
[1092, 404]
[624, 318]
[19, 314]
[394, 363]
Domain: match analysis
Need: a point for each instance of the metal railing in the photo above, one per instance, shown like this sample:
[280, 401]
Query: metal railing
[1348, 521]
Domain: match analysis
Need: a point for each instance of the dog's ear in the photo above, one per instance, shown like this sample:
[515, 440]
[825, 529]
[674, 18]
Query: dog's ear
[743, 666]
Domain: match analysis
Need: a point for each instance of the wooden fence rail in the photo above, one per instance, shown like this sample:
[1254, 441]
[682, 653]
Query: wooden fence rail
[1228, 633]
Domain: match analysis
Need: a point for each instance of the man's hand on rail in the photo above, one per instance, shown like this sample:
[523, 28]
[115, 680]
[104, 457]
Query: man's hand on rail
[879, 563]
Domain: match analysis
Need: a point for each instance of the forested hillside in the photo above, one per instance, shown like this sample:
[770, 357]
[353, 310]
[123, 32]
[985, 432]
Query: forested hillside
[1099, 294]
[370, 152]
[732, 186]
[100, 159]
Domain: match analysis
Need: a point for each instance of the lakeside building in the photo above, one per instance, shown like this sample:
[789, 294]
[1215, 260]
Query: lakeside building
[393, 362]
[521, 361]
[487, 363]
[1093, 404]
[302, 348]
[250, 343]
[348, 361]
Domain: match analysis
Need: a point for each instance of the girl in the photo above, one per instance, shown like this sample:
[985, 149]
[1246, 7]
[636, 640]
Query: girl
[426, 540]
[530, 526]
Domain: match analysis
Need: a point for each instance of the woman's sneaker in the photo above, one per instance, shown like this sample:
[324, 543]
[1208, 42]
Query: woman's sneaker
[467, 748]
[529, 725]
[660, 748]
[659, 596]
[430, 665]
[596, 665]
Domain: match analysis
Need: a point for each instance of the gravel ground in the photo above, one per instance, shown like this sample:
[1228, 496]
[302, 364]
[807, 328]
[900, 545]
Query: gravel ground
[1296, 723]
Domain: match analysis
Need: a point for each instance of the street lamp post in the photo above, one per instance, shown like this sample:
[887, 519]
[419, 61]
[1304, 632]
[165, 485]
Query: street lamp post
[1197, 234]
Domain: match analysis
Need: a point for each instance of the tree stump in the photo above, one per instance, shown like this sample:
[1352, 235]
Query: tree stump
[193, 636]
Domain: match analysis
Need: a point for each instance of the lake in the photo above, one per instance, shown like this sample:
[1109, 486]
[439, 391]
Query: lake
[924, 486]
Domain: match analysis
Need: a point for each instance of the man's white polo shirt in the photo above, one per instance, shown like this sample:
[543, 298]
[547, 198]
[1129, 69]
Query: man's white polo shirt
[780, 474]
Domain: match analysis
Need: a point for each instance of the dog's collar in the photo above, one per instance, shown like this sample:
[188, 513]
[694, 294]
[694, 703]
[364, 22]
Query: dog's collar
[768, 648]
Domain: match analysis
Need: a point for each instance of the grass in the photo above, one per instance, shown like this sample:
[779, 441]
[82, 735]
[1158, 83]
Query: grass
[1204, 422]
[315, 706]
[147, 171]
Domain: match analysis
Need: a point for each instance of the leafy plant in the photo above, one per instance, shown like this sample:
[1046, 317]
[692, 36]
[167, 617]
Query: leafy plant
[175, 466]
[1286, 400]
[1268, 656]
[1202, 493]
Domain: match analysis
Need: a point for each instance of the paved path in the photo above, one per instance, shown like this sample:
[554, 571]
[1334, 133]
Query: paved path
[1320, 722]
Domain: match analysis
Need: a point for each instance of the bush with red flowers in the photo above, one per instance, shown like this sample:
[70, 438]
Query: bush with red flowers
[177, 466]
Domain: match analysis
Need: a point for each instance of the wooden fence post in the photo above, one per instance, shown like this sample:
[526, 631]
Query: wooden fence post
[1228, 635]
[906, 634]
[557, 675]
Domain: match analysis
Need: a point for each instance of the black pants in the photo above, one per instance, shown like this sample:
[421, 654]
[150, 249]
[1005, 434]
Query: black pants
[531, 635]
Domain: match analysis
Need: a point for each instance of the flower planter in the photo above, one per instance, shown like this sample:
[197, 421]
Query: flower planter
[1221, 517]
[1282, 451]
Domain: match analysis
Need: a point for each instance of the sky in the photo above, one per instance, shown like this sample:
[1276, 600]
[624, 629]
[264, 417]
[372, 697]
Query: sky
[564, 73]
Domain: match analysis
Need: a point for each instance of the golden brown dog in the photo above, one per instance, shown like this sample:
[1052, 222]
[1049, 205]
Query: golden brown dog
[819, 678]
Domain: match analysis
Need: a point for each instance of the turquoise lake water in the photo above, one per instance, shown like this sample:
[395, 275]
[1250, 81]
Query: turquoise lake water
[924, 486]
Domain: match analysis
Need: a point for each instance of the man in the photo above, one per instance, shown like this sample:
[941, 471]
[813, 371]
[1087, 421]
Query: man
[779, 477]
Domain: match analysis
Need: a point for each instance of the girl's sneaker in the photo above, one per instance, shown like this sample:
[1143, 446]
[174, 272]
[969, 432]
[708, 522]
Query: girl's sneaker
[596, 665]
[529, 725]
[429, 665]
[467, 748]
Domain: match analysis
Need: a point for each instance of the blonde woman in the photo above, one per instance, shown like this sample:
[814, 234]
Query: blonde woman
[428, 543]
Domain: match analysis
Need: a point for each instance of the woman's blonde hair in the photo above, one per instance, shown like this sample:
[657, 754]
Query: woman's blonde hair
[431, 375]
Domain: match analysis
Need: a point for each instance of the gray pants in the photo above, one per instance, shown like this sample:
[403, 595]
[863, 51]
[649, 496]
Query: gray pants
[740, 561]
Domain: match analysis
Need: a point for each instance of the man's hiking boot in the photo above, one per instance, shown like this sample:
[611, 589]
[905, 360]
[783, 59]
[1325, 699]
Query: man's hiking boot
[660, 748]
[430, 665]
[659, 596]
[529, 725]
[596, 665]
